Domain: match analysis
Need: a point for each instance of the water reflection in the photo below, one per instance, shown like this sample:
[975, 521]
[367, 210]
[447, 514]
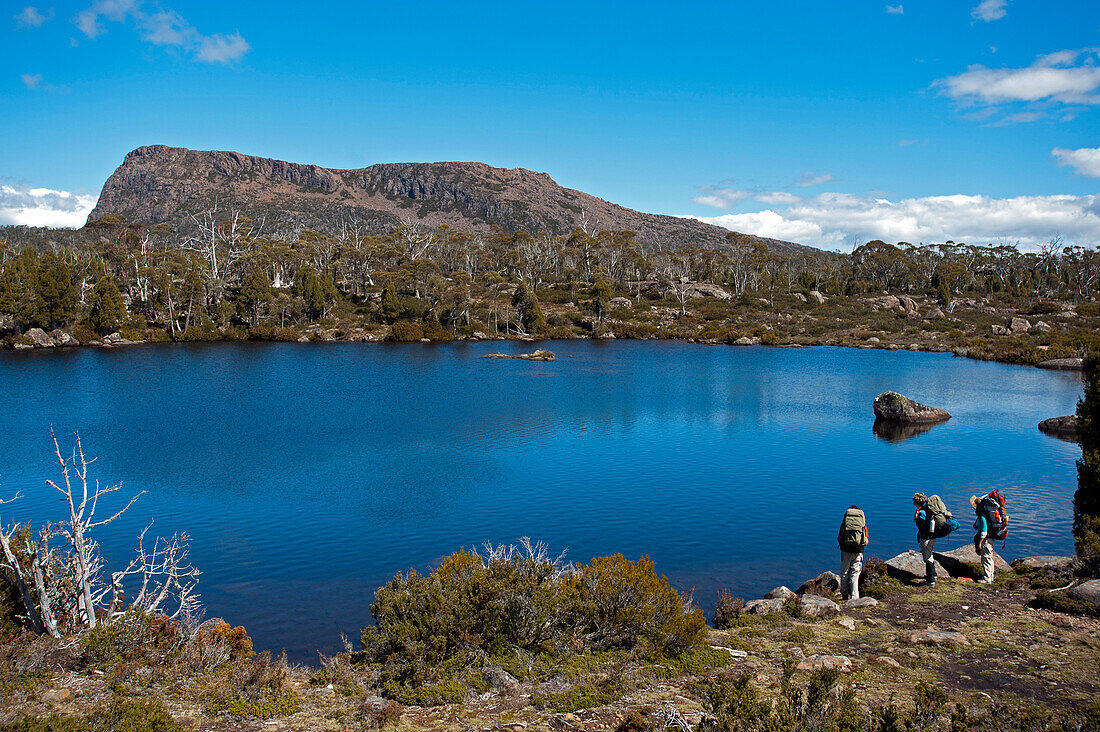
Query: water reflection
[893, 431]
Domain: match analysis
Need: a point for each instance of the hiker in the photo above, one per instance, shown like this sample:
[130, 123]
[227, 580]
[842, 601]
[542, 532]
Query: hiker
[852, 537]
[925, 520]
[991, 525]
[933, 522]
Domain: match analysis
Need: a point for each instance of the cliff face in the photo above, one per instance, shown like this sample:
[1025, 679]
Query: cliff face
[158, 184]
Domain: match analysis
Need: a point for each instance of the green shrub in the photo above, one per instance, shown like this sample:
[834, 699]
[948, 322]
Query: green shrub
[727, 610]
[581, 696]
[405, 332]
[133, 715]
[1061, 602]
[273, 333]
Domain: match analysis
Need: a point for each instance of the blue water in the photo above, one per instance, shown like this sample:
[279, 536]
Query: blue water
[307, 475]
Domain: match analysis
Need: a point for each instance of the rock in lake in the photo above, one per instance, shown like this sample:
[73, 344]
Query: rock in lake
[910, 565]
[1088, 592]
[962, 562]
[1063, 364]
[1064, 427]
[897, 408]
[539, 355]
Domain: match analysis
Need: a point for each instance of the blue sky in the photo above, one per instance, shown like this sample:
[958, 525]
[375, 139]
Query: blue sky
[824, 123]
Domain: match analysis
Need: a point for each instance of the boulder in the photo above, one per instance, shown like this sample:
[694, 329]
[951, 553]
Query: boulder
[746, 341]
[499, 679]
[816, 296]
[1019, 325]
[1045, 561]
[800, 297]
[847, 623]
[908, 303]
[622, 302]
[874, 339]
[937, 638]
[935, 314]
[763, 607]
[861, 602]
[819, 662]
[779, 593]
[998, 329]
[958, 561]
[40, 337]
[910, 565]
[62, 339]
[1043, 327]
[1088, 592]
[1063, 364]
[56, 696]
[816, 606]
[887, 661]
[1060, 426]
[539, 355]
[826, 580]
[897, 408]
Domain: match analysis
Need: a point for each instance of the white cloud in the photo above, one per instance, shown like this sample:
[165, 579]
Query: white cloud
[1085, 160]
[1065, 77]
[895, 10]
[31, 81]
[20, 204]
[222, 49]
[839, 220]
[721, 198]
[809, 179]
[908, 142]
[164, 27]
[87, 20]
[989, 10]
[29, 17]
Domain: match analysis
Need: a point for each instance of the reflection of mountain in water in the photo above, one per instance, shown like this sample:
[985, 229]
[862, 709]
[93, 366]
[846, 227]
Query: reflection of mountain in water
[891, 431]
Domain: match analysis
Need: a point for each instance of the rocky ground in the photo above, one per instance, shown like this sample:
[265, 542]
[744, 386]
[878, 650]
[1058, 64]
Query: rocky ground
[976, 642]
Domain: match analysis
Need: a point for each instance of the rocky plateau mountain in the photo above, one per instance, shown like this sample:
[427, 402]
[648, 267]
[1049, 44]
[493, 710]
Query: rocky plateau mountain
[157, 184]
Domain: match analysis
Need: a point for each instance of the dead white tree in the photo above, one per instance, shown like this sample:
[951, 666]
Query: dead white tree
[74, 582]
[415, 238]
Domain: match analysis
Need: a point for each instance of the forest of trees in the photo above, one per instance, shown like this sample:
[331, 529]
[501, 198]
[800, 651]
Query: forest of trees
[227, 275]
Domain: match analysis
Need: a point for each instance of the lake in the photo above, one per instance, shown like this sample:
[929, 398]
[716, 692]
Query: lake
[308, 474]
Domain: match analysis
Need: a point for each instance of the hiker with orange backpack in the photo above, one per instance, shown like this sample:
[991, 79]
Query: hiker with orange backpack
[992, 526]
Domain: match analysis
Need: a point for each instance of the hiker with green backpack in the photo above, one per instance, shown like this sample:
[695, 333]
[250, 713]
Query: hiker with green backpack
[852, 537]
[933, 522]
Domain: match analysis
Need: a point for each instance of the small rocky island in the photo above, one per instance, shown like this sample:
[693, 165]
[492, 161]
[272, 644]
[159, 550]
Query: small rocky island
[539, 355]
[895, 407]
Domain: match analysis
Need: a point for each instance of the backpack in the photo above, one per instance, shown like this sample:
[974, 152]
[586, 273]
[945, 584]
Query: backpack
[992, 506]
[852, 530]
[945, 522]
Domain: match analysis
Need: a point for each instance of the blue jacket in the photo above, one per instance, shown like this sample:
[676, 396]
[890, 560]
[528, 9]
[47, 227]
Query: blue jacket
[982, 527]
[922, 518]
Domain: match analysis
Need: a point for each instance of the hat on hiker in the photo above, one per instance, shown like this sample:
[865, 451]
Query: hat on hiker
[974, 502]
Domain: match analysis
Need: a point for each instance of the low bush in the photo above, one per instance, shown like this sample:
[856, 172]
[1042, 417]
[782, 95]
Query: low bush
[1062, 602]
[121, 715]
[273, 333]
[430, 630]
[726, 610]
[405, 332]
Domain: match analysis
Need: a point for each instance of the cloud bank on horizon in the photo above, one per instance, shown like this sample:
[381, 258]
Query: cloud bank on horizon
[844, 221]
[22, 205]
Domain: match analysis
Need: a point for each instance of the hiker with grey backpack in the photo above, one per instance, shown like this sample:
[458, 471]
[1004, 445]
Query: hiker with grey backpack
[933, 522]
[852, 538]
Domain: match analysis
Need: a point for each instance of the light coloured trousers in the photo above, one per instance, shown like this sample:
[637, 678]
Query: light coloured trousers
[851, 565]
[986, 555]
[927, 546]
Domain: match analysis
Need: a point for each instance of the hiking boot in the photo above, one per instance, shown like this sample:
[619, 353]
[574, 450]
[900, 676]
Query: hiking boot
[930, 585]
